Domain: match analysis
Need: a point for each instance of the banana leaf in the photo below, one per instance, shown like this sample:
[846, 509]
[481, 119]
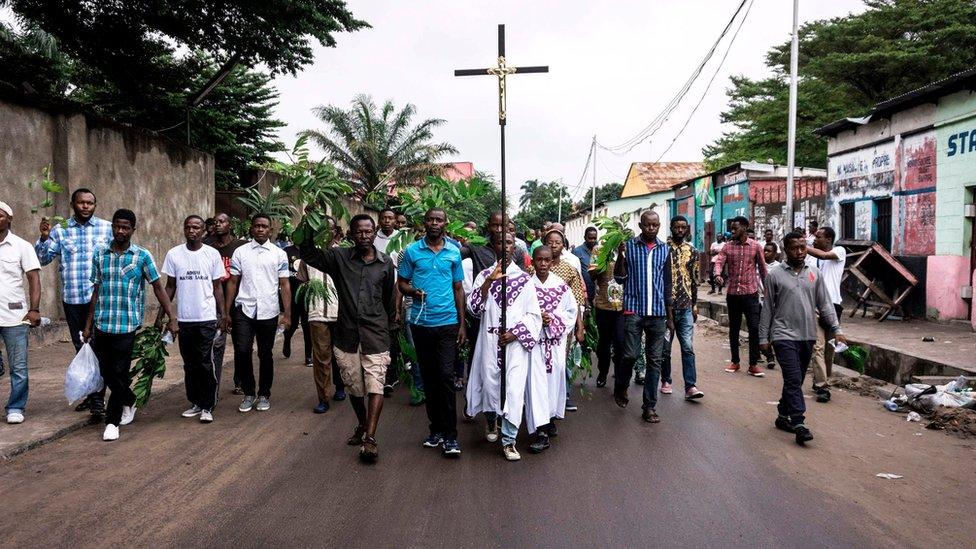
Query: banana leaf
[148, 362]
[407, 352]
[615, 233]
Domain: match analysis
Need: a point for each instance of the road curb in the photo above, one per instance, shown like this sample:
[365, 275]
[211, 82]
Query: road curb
[68, 429]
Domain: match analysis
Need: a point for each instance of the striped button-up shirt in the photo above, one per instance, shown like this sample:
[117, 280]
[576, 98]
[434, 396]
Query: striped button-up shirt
[746, 266]
[122, 281]
[75, 245]
[647, 282]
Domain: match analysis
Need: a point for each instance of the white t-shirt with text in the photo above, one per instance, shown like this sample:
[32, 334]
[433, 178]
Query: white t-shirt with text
[194, 272]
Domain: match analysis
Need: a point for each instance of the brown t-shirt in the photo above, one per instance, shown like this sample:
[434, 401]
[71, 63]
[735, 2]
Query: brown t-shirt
[601, 300]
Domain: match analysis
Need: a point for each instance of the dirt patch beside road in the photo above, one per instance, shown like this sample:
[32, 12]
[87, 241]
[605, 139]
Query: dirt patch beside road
[958, 421]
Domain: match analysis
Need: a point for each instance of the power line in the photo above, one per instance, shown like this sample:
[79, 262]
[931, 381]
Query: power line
[709, 85]
[664, 115]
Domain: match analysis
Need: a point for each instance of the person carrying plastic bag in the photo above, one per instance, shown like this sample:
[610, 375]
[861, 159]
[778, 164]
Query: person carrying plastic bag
[83, 377]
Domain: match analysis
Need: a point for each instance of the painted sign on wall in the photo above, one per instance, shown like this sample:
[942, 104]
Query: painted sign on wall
[917, 162]
[704, 193]
[856, 176]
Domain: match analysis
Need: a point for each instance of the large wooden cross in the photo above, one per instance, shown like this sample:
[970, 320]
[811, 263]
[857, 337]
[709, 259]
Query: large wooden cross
[501, 71]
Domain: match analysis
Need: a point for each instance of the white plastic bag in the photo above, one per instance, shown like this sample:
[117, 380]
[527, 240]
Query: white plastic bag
[83, 377]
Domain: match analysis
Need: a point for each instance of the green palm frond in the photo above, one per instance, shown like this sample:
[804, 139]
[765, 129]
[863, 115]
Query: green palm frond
[372, 145]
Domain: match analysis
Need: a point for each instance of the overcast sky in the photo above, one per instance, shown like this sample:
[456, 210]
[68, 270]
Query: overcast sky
[613, 67]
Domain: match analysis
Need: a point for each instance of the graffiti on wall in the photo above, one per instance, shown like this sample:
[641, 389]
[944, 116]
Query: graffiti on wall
[918, 213]
[769, 202]
[863, 219]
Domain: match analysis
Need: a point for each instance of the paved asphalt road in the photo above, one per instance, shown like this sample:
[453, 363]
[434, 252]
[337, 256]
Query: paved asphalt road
[286, 478]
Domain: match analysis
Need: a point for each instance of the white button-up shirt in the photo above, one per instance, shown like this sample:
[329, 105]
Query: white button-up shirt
[260, 266]
[16, 258]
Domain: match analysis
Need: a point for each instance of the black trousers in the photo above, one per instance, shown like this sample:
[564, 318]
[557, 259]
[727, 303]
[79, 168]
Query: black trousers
[76, 316]
[299, 317]
[610, 326]
[749, 306]
[114, 353]
[436, 349]
[794, 358]
[197, 341]
[247, 330]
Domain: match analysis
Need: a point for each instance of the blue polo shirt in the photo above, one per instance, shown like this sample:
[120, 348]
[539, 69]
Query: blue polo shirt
[435, 274]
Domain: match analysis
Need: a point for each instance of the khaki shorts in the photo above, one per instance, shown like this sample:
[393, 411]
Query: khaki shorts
[362, 374]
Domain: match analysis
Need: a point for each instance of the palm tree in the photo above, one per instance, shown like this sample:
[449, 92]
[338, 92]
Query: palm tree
[375, 149]
[528, 189]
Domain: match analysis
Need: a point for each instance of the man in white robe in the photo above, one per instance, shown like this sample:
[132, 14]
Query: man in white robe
[524, 324]
[559, 310]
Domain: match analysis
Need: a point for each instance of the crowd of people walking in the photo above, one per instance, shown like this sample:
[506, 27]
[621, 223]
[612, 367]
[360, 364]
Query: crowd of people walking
[494, 327]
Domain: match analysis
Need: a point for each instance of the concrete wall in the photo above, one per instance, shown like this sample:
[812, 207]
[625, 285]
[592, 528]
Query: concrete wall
[162, 182]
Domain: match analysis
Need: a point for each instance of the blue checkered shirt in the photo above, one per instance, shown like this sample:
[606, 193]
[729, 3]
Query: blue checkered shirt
[122, 288]
[647, 283]
[75, 245]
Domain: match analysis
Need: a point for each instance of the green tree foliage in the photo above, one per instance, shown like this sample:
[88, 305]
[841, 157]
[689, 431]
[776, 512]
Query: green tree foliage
[32, 61]
[847, 64]
[604, 193]
[140, 62]
[122, 38]
[476, 206]
[375, 148]
[235, 122]
[543, 206]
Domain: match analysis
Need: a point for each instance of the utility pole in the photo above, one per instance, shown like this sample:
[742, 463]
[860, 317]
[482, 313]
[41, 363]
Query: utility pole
[791, 146]
[559, 214]
[593, 198]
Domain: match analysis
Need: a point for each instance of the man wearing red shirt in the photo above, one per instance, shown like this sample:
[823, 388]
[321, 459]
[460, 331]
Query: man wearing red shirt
[743, 258]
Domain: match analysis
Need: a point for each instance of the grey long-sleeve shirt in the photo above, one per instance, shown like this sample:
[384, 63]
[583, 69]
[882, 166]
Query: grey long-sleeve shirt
[792, 299]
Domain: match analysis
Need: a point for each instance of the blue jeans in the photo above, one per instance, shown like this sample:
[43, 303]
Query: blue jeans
[655, 328]
[684, 329]
[15, 339]
[509, 432]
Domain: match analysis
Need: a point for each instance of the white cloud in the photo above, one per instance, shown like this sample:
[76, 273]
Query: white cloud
[614, 65]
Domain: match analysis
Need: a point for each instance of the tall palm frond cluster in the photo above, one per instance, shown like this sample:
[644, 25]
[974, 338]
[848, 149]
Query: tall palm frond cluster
[375, 149]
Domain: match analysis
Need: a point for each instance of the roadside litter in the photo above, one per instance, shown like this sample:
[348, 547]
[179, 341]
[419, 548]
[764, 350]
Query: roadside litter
[950, 407]
[889, 476]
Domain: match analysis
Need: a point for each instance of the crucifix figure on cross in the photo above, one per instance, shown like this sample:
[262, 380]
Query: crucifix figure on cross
[501, 71]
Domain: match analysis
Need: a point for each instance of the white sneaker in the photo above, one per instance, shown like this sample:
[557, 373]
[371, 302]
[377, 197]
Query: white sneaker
[193, 412]
[128, 414]
[111, 433]
[511, 454]
[206, 416]
[15, 417]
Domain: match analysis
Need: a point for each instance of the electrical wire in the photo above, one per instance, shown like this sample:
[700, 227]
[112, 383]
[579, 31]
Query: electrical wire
[658, 121]
[709, 85]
